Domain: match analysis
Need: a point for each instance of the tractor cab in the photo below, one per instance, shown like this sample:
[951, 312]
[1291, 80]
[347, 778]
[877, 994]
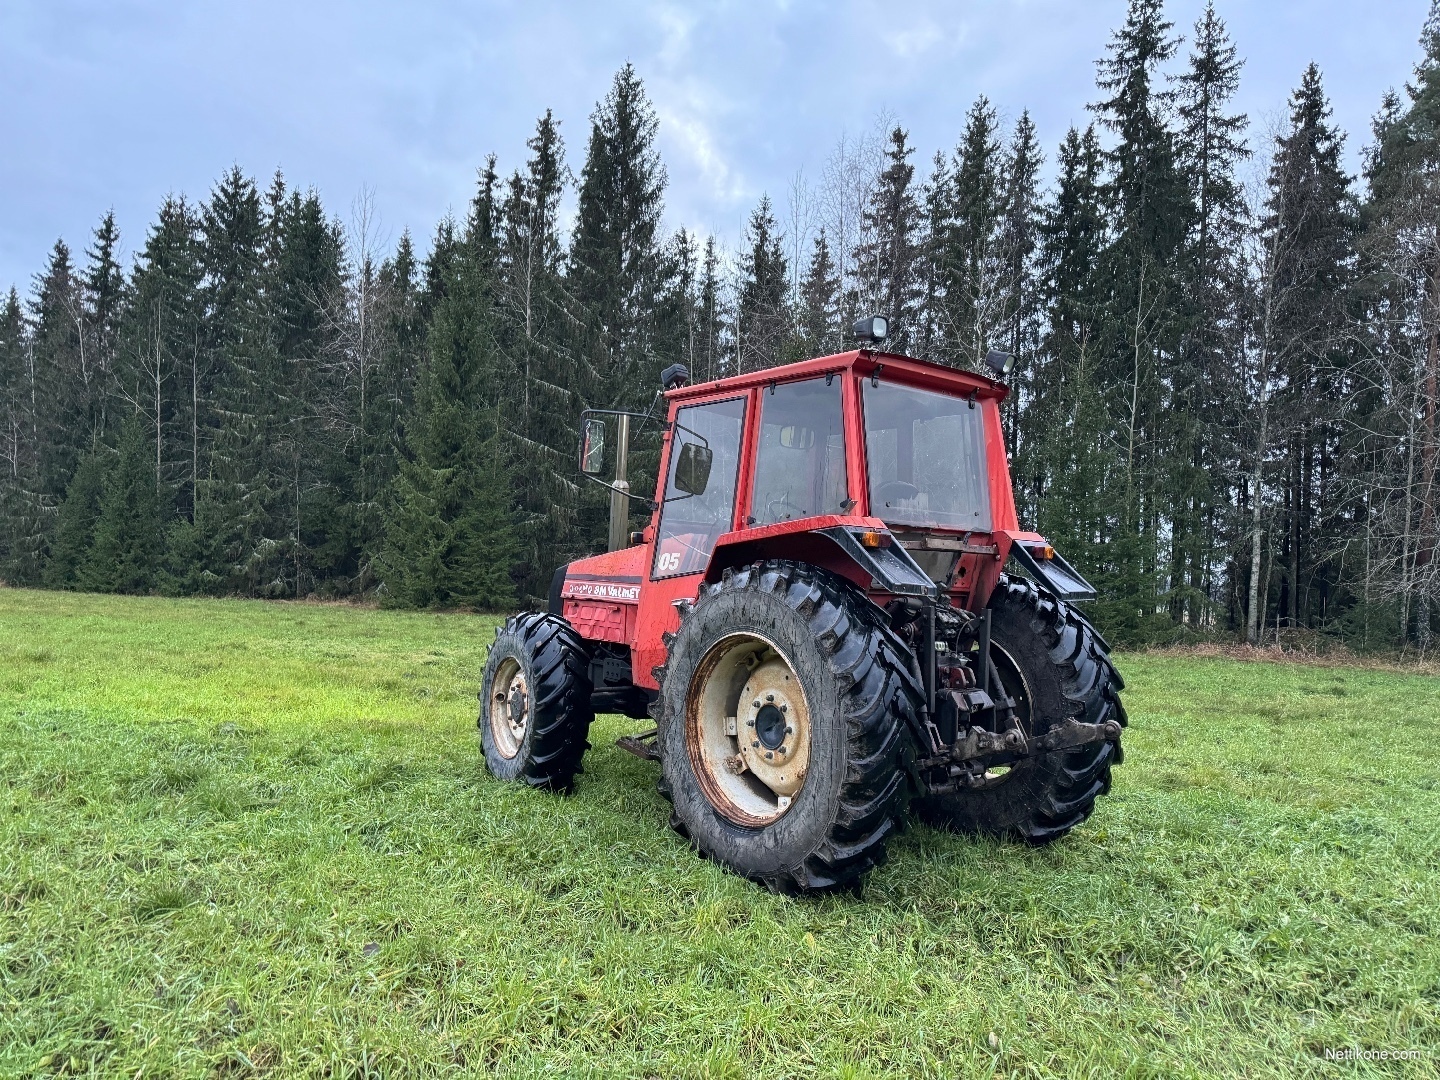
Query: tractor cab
[887, 470]
[832, 615]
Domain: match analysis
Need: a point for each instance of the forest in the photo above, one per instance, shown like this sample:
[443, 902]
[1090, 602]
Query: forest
[1224, 409]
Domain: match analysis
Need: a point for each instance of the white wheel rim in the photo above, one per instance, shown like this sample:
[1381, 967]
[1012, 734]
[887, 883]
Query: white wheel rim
[748, 729]
[509, 707]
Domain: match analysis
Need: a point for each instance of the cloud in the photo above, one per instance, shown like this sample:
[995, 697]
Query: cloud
[914, 41]
[692, 137]
[116, 105]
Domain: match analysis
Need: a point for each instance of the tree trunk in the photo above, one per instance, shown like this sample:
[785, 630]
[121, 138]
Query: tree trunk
[194, 431]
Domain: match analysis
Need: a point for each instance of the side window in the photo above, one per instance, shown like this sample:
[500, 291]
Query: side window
[800, 463]
[690, 525]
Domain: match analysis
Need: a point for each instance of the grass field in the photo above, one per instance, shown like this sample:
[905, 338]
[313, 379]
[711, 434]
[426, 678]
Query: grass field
[240, 838]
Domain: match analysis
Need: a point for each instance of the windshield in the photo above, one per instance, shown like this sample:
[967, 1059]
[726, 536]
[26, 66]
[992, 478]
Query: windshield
[926, 455]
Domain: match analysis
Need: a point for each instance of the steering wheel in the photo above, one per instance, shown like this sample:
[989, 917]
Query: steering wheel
[782, 503]
[895, 490]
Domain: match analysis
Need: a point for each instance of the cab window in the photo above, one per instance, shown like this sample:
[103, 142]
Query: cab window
[927, 462]
[691, 524]
[800, 462]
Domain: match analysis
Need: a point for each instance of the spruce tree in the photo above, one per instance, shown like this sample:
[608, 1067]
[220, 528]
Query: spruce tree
[1210, 147]
[103, 288]
[1064, 462]
[323, 370]
[1016, 242]
[1139, 333]
[888, 262]
[615, 260]
[544, 382]
[683, 257]
[19, 529]
[1204, 386]
[157, 362]
[965, 246]
[936, 214]
[74, 536]
[450, 533]
[763, 315]
[403, 336]
[64, 377]
[1072, 235]
[127, 552]
[241, 387]
[305, 256]
[1309, 231]
[14, 398]
[819, 301]
[711, 315]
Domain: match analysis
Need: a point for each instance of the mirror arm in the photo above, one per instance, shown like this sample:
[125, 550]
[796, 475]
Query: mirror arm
[650, 504]
[650, 414]
[700, 439]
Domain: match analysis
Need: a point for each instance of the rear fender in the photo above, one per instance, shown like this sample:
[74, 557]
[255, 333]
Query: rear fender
[833, 543]
[1050, 570]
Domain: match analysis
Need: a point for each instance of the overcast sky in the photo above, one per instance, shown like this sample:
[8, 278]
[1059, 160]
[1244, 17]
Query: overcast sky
[114, 104]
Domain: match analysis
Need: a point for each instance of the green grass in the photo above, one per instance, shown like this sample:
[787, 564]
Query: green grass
[242, 838]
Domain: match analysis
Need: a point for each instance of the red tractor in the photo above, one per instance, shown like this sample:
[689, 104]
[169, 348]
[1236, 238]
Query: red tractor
[819, 619]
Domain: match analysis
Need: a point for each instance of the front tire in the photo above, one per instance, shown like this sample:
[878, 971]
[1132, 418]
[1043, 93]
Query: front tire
[535, 702]
[783, 710]
[1054, 664]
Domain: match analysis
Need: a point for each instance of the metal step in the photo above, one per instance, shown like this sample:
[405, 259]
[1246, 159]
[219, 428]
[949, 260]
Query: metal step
[642, 745]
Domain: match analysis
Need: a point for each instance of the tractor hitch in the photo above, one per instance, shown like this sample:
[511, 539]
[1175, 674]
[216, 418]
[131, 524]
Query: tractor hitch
[969, 756]
[978, 744]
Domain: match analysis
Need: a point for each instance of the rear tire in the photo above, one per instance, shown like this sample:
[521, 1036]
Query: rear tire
[535, 702]
[760, 627]
[1050, 659]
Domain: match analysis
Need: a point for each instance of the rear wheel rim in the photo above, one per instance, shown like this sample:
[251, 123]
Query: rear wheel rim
[509, 707]
[748, 730]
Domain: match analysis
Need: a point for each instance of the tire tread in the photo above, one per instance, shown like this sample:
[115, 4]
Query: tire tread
[560, 698]
[876, 688]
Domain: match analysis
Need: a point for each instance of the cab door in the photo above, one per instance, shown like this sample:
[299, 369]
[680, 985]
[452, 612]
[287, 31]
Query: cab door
[688, 524]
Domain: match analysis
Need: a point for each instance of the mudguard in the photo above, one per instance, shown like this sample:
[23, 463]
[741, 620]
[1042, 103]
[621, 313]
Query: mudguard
[1051, 570]
[891, 566]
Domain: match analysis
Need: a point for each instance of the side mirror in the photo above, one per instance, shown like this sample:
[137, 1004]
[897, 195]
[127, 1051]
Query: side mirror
[592, 448]
[692, 468]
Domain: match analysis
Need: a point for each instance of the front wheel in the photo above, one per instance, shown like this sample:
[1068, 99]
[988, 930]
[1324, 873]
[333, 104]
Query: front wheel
[1055, 667]
[783, 710]
[535, 702]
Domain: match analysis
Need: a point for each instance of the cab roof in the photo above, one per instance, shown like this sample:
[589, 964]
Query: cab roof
[925, 374]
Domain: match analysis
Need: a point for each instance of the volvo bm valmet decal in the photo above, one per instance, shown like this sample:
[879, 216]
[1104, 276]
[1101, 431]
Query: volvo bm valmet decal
[601, 590]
